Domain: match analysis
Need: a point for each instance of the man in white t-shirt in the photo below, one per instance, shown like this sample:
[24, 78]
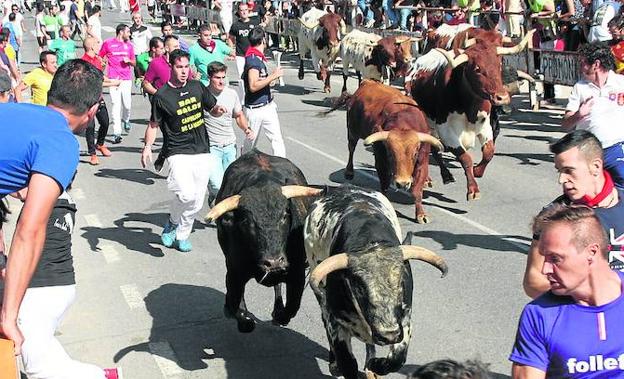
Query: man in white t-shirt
[220, 131]
[596, 104]
[94, 26]
[19, 19]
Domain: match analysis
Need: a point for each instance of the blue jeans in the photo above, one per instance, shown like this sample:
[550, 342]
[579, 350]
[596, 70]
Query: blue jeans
[366, 11]
[614, 163]
[405, 13]
[225, 155]
[387, 7]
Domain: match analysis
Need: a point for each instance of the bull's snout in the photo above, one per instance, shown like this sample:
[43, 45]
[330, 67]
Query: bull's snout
[274, 264]
[502, 98]
[403, 184]
[388, 336]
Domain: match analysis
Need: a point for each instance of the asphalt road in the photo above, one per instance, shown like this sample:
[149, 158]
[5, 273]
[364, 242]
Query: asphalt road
[158, 312]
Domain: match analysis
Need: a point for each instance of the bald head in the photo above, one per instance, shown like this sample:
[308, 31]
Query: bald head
[89, 43]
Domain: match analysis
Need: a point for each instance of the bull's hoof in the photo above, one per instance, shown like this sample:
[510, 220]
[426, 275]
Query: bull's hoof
[246, 325]
[300, 75]
[334, 369]
[478, 171]
[369, 375]
[244, 320]
[381, 366]
[348, 175]
[448, 179]
[428, 183]
[280, 316]
[423, 219]
[473, 196]
[327, 89]
[318, 76]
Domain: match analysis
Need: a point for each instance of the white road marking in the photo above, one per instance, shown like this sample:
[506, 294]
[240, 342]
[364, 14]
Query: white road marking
[132, 295]
[109, 29]
[463, 219]
[165, 358]
[93, 220]
[109, 253]
[78, 194]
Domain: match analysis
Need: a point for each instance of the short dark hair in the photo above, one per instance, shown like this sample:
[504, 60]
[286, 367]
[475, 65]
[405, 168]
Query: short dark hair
[177, 54]
[256, 36]
[11, 16]
[165, 23]
[4, 211]
[167, 38]
[215, 67]
[153, 43]
[76, 87]
[5, 31]
[96, 9]
[40, 8]
[203, 27]
[450, 369]
[44, 55]
[585, 225]
[601, 51]
[586, 142]
[120, 28]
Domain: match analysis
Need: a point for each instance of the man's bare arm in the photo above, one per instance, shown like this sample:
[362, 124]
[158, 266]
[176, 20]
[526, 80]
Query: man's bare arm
[526, 372]
[25, 250]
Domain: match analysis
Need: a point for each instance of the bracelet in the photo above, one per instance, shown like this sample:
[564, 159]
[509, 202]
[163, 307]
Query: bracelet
[147, 146]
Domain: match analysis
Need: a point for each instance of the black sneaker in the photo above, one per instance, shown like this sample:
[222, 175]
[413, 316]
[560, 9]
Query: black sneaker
[116, 140]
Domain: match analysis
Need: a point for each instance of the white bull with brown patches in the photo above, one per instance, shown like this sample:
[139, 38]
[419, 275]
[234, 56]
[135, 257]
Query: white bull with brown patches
[320, 35]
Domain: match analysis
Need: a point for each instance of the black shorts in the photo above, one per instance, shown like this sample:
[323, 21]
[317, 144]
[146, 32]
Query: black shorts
[41, 41]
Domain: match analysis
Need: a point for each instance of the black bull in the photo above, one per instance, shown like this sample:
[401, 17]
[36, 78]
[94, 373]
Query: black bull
[260, 211]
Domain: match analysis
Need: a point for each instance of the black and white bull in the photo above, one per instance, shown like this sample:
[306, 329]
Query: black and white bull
[260, 210]
[352, 240]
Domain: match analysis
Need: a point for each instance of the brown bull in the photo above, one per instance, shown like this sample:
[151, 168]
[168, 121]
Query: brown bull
[392, 122]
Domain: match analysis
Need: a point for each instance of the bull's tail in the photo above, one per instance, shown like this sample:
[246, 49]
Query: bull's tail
[341, 102]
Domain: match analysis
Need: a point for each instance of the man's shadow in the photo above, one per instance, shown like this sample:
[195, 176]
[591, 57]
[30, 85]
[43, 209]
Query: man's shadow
[190, 318]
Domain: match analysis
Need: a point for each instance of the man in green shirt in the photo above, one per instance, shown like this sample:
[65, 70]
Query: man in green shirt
[156, 49]
[52, 22]
[64, 46]
[206, 51]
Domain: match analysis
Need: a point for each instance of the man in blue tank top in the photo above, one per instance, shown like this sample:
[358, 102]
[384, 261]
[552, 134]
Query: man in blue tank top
[575, 329]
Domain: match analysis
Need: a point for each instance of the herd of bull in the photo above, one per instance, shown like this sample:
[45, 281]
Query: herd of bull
[271, 225]
[455, 89]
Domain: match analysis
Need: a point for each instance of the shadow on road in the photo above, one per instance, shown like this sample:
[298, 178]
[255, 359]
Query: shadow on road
[190, 319]
[135, 175]
[530, 159]
[451, 241]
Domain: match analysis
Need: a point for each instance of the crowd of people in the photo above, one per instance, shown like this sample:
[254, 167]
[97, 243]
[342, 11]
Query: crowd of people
[571, 271]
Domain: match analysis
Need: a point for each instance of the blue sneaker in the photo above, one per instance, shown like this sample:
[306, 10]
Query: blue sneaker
[168, 235]
[184, 245]
[126, 125]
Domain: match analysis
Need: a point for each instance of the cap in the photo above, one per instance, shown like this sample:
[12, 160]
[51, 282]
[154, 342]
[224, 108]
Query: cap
[5, 81]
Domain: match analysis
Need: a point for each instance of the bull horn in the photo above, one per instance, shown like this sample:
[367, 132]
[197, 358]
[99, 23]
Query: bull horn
[425, 255]
[525, 76]
[518, 48]
[376, 137]
[431, 140]
[400, 39]
[299, 191]
[469, 42]
[329, 265]
[416, 39]
[225, 205]
[453, 61]
[309, 26]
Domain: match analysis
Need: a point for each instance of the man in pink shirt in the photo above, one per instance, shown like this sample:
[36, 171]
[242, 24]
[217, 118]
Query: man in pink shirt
[159, 69]
[119, 54]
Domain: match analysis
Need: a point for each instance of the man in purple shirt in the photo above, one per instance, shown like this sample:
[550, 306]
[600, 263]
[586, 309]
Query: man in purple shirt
[575, 329]
[159, 69]
[119, 53]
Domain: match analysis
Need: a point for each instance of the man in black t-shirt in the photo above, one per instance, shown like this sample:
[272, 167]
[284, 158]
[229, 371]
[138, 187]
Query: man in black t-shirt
[177, 108]
[578, 159]
[239, 35]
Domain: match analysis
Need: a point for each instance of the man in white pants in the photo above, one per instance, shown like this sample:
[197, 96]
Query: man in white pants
[119, 53]
[177, 108]
[260, 108]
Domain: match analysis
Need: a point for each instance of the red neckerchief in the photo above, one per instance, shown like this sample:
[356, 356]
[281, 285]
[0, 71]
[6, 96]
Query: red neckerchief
[253, 51]
[211, 46]
[607, 189]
